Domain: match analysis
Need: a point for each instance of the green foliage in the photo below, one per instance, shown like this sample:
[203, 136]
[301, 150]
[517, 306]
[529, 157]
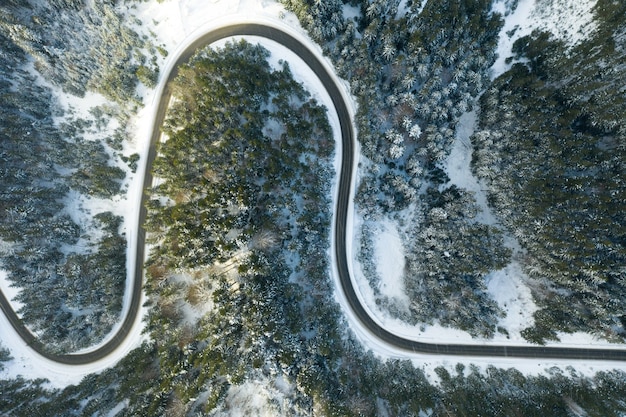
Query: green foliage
[5, 355]
[551, 148]
[132, 161]
[40, 162]
[499, 392]
[148, 76]
[241, 176]
[241, 139]
[226, 155]
[445, 279]
[413, 76]
[95, 177]
[90, 48]
[162, 51]
[21, 397]
[95, 279]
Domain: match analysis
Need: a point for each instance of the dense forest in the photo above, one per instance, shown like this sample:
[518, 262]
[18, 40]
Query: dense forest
[239, 222]
[551, 145]
[358, 385]
[238, 281]
[550, 149]
[70, 268]
[413, 75]
[251, 306]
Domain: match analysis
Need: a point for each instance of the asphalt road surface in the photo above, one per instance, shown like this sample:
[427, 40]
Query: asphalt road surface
[341, 211]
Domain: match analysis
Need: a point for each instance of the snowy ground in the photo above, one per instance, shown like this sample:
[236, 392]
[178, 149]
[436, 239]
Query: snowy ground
[81, 209]
[177, 24]
[506, 286]
[568, 20]
[267, 397]
[389, 259]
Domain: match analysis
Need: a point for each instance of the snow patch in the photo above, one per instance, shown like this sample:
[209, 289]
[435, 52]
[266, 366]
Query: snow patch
[351, 12]
[499, 283]
[570, 21]
[424, 2]
[261, 398]
[176, 24]
[506, 286]
[249, 399]
[457, 167]
[389, 256]
[403, 9]
[78, 106]
[9, 291]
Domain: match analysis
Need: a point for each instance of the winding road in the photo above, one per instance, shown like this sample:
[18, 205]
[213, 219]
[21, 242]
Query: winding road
[340, 232]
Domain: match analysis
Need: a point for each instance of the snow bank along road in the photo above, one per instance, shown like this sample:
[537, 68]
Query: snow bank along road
[341, 211]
